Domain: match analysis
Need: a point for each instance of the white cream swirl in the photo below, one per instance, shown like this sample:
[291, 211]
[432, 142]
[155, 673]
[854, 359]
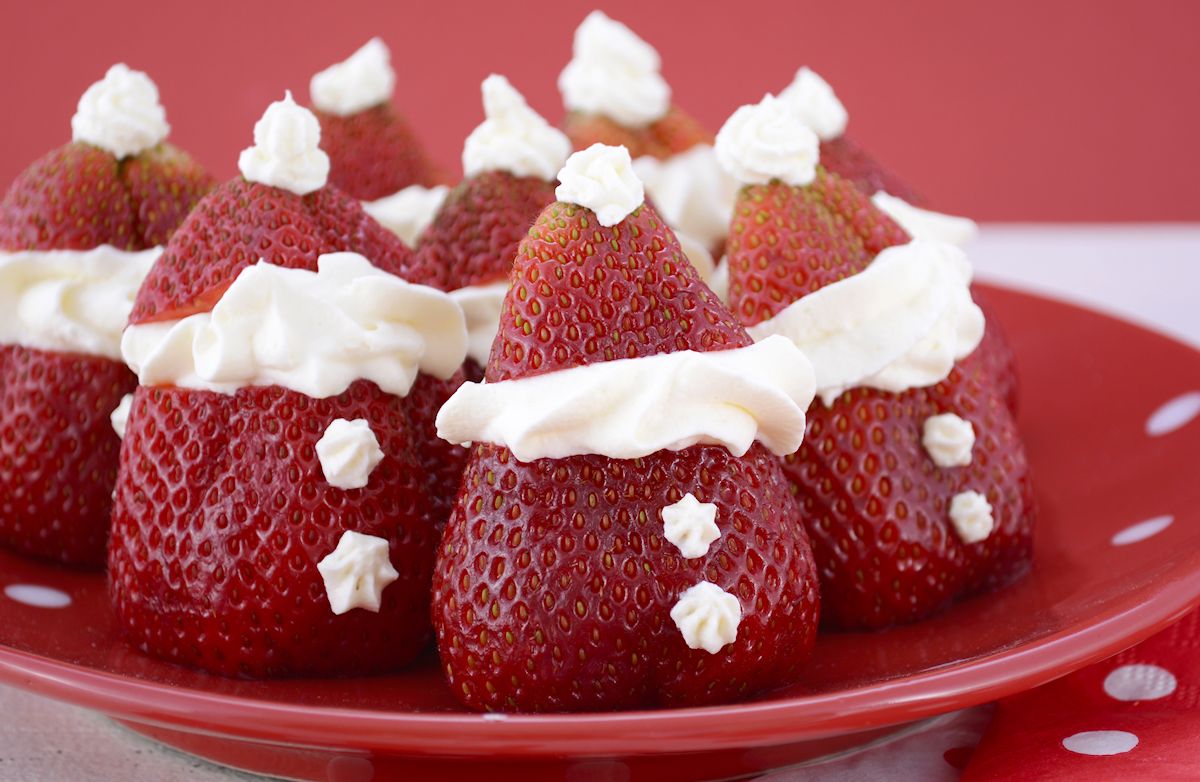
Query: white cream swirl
[815, 102]
[630, 408]
[286, 151]
[75, 301]
[514, 137]
[707, 617]
[925, 224]
[121, 113]
[408, 212]
[362, 80]
[614, 73]
[691, 191]
[767, 141]
[601, 178]
[900, 323]
[312, 332]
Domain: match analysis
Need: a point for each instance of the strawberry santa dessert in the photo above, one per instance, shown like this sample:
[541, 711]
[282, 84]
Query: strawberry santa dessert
[510, 162]
[373, 152]
[614, 93]
[624, 536]
[912, 477]
[273, 515]
[79, 229]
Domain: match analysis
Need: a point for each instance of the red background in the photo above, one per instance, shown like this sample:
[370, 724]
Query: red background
[1016, 110]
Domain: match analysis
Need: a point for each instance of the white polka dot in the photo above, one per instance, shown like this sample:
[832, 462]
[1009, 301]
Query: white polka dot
[1175, 414]
[1100, 742]
[1142, 530]
[1139, 683]
[37, 596]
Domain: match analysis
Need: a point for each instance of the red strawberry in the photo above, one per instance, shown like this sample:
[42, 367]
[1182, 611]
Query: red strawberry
[876, 505]
[674, 133]
[554, 583]
[58, 451]
[374, 153]
[222, 510]
[848, 160]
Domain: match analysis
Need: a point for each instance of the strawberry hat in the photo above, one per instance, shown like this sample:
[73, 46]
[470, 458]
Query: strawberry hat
[274, 512]
[79, 229]
[372, 150]
[623, 536]
[912, 477]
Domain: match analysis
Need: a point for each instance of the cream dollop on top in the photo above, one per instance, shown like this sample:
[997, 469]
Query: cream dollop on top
[691, 191]
[766, 141]
[900, 323]
[356, 572]
[614, 73]
[408, 212]
[971, 515]
[362, 80]
[121, 113]
[514, 137]
[817, 105]
[286, 151]
[75, 301]
[312, 332]
[925, 224]
[348, 452]
[601, 178]
[707, 617]
[630, 408]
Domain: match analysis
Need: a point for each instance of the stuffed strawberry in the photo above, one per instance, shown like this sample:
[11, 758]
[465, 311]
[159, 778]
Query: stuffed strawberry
[79, 229]
[274, 514]
[623, 537]
[510, 162]
[912, 477]
[372, 150]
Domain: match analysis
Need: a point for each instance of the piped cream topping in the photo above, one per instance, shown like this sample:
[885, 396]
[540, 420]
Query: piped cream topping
[362, 80]
[514, 137]
[815, 102]
[286, 151]
[768, 141]
[601, 178]
[121, 113]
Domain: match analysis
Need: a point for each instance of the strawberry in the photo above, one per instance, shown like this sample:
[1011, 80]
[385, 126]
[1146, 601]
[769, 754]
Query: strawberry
[58, 451]
[876, 505]
[848, 160]
[374, 153]
[554, 585]
[222, 510]
[676, 132]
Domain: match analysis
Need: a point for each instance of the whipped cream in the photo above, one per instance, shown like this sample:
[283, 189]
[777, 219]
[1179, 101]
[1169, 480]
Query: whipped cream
[312, 332]
[75, 301]
[514, 137]
[481, 306]
[697, 254]
[690, 525]
[691, 191]
[971, 515]
[356, 572]
[815, 102]
[121, 113]
[900, 323]
[362, 80]
[614, 73]
[948, 439]
[630, 408]
[408, 212]
[601, 178]
[348, 452]
[707, 617]
[286, 151]
[767, 141]
[719, 282]
[925, 224]
[120, 416]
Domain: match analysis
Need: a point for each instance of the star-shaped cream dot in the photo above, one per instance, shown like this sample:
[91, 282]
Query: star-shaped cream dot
[357, 572]
[691, 525]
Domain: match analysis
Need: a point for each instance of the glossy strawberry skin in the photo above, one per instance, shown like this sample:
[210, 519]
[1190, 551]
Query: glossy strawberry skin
[848, 160]
[554, 582]
[222, 513]
[474, 236]
[374, 153]
[58, 452]
[674, 133]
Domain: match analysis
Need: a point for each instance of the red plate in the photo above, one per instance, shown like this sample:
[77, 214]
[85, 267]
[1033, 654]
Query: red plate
[1106, 410]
